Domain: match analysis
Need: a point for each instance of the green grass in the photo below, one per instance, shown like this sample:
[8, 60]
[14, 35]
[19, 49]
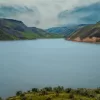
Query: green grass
[58, 93]
[29, 35]
[4, 36]
[87, 31]
[26, 36]
[52, 96]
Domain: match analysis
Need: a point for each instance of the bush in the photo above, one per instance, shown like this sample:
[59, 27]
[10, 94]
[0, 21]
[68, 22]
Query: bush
[35, 90]
[91, 93]
[56, 90]
[86, 92]
[48, 98]
[71, 96]
[0, 98]
[19, 93]
[43, 92]
[22, 95]
[97, 90]
[68, 90]
[28, 91]
[59, 89]
[23, 98]
[49, 89]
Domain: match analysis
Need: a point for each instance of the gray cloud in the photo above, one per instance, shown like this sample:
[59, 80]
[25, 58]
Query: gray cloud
[29, 15]
[81, 15]
[47, 11]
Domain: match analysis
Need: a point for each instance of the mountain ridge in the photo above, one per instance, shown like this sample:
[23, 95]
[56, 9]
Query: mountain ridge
[65, 30]
[15, 30]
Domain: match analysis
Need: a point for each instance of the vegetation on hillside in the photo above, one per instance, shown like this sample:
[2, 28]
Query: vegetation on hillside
[15, 30]
[57, 93]
[90, 33]
[4, 36]
[65, 30]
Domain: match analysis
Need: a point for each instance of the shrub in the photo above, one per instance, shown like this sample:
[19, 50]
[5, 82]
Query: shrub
[91, 93]
[49, 89]
[35, 90]
[28, 91]
[0, 98]
[59, 88]
[86, 92]
[48, 98]
[97, 90]
[68, 90]
[22, 95]
[18, 93]
[71, 96]
[23, 98]
[43, 92]
[56, 90]
[82, 91]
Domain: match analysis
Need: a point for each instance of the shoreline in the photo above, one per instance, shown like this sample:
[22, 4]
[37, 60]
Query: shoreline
[83, 42]
[29, 39]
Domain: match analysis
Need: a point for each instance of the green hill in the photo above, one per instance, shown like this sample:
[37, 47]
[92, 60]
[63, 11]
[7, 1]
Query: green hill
[14, 30]
[90, 33]
[57, 93]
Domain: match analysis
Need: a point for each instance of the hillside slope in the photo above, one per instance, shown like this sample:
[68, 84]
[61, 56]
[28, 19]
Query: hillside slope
[90, 33]
[12, 29]
[65, 30]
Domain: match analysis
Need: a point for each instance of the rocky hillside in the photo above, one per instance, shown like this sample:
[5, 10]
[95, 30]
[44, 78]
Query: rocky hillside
[13, 30]
[90, 33]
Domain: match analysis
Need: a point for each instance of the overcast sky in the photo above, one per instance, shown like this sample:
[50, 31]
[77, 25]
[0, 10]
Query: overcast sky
[49, 9]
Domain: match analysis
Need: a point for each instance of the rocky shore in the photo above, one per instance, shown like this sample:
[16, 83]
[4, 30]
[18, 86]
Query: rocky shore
[87, 39]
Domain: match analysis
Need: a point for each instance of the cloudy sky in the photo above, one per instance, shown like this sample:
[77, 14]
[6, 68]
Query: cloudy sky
[47, 10]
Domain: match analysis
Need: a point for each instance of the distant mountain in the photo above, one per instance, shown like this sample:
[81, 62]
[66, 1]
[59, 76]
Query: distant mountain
[11, 29]
[65, 30]
[90, 33]
[86, 14]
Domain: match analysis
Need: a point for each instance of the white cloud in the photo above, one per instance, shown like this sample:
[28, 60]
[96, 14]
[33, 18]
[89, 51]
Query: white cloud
[49, 9]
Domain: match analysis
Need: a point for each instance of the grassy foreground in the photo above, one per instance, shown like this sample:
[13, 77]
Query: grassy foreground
[57, 93]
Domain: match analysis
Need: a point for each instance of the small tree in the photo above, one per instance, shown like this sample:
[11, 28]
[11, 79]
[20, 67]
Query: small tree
[49, 89]
[68, 90]
[18, 93]
[23, 97]
[28, 91]
[97, 90]
[35, 90]
[71, 96]
[0, 98]
[56, 91]
[59, 88]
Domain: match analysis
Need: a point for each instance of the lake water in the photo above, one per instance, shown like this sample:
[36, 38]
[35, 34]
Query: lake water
[48, 62]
